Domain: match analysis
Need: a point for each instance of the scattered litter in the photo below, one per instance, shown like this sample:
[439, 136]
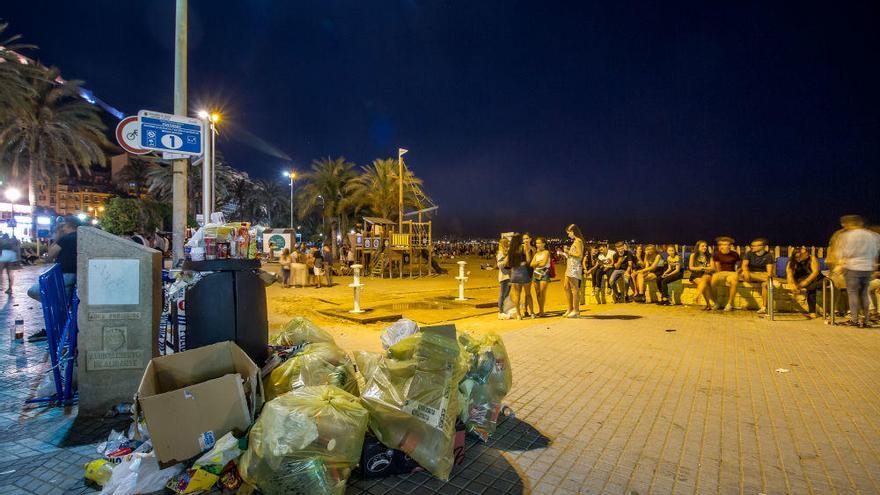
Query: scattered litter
[782, 370]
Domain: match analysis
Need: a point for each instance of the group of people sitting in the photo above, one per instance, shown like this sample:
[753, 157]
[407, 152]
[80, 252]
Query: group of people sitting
[625, 273]
[317, 262]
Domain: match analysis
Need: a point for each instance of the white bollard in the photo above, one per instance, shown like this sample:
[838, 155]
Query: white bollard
[356, 285]
[461, 280]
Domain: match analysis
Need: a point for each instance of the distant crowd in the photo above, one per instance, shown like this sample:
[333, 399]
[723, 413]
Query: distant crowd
[624, 272]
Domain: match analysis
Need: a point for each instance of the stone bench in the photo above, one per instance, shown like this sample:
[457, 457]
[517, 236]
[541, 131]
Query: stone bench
[747, 295]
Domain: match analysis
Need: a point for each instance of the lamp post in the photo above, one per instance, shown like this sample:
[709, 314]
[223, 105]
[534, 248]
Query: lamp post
[400, 153]
[322, 214]
[13, 195]
[179, 167]
[208, 199]
[291, 175]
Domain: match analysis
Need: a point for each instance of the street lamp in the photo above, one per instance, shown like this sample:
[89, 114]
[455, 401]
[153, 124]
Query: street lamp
[291, 175]
[322, 214]
[13, 194]
[210, 118]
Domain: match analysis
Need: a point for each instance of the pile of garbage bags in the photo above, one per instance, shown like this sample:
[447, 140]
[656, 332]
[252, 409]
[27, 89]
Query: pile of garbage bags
[304, 356]
[306, 441]
[310, 433]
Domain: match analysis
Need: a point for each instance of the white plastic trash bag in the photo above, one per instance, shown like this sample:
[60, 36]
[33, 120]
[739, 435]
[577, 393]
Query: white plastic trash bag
[139, 473]
[396, 331]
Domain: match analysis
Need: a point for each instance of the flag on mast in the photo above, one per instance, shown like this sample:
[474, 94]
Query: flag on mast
[401, 151]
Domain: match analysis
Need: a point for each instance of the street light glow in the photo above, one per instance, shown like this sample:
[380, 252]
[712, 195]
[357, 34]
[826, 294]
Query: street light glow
[203, 114]
[215, 117]
[13, 194]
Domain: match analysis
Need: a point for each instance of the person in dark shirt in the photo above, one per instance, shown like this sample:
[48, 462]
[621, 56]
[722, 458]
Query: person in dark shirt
[725, 260]
[319, 266]
[625, 261]
[327, 256]
[803, 275]
[757, 267]
[64, 253]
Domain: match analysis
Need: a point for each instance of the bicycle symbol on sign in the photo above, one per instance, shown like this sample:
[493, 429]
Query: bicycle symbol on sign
[132, 135]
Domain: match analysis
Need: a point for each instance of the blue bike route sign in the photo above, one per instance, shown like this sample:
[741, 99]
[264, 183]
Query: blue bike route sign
[170, 133]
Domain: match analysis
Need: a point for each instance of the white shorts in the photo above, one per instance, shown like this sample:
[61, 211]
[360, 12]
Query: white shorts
[8, 256]
[317, 271]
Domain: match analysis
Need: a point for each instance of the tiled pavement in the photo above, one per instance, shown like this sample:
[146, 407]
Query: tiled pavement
[630, 400]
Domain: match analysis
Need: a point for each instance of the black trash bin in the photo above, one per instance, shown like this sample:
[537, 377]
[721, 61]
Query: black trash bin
[229, 303]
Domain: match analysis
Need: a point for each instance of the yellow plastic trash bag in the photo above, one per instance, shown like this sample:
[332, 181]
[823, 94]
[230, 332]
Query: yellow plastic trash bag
[298, 332]
[305, 441]
[486, 383]
[413, 400]
[316, 364]
[99, 471]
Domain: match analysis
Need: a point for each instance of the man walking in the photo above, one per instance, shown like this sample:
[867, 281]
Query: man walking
[857, 251]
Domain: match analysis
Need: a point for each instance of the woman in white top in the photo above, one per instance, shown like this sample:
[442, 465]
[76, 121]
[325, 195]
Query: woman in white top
[573, 270]
[285, 260]
[503, 275]
[541, 273]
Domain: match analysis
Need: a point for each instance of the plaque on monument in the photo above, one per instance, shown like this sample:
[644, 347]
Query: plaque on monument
[119, 285]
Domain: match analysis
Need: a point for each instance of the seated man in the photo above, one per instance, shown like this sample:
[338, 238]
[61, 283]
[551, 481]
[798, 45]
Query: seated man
[758, 266]
[624, 263]
[606, 258]
[64, 251]
[803, 276]
[725, 259]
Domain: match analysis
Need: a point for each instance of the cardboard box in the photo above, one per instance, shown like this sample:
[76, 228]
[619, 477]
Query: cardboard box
[191, 399]
[379, 461]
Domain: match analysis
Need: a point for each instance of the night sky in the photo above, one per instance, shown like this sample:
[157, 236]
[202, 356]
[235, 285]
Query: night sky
[650, 120]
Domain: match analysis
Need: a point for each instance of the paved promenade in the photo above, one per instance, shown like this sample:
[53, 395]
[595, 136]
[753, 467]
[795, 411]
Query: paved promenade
[629, 399]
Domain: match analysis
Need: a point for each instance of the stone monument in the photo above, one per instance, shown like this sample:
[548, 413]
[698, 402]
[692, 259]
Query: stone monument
[120, 291]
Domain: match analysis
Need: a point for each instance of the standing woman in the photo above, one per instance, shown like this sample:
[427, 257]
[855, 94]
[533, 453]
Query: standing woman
[501, 260]
[285, 260]
[8, 258]
[310, 265]
[541, 273]
[529, 252]
[701, 269]
[520, 278]
[573, 270]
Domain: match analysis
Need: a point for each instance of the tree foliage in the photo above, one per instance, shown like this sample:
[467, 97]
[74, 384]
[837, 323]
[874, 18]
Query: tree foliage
[123, 216]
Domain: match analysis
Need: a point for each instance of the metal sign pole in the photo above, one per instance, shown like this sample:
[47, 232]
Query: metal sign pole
[179, 166]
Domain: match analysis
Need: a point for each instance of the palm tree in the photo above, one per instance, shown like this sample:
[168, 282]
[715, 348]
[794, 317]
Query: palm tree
[240, 198]
[135, 176]
[325, 186]
[52, 131]
[14, 88]
[376, 189]
[159, 180]
[272, 202]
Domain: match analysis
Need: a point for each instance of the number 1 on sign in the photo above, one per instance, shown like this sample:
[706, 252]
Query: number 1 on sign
[171, 141]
